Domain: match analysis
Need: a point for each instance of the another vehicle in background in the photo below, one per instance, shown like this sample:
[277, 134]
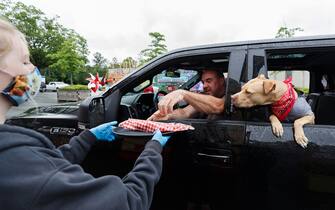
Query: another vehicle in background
[54, 86]
[43, 87]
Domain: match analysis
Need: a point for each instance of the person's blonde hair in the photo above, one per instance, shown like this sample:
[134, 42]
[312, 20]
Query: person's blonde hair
[7, 31]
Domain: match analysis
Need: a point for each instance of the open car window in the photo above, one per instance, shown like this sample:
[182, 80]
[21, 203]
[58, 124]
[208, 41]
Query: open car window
[142, 96]
[312, 72]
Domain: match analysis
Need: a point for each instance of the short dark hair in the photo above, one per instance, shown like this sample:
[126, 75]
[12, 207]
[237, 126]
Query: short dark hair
[219, 72]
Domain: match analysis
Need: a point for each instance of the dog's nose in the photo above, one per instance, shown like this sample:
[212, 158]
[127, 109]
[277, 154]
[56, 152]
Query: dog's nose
[233, 98]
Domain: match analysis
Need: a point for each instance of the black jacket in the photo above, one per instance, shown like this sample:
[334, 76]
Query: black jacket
[36, 175]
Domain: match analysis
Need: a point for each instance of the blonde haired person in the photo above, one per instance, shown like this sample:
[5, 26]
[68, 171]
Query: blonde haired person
[36, 175]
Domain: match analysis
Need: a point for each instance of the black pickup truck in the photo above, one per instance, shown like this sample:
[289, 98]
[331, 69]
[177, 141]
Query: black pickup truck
[231, 163]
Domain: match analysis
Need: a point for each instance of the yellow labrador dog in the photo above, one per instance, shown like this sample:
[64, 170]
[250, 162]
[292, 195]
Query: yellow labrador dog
[285, 104]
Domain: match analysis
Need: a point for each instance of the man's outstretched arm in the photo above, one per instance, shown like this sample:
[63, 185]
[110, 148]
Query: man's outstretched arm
[205, 103]
[201, 103]
[183, 113]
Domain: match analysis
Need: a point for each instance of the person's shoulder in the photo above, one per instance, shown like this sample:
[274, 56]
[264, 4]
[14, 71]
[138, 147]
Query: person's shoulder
[27, 136]
[17, 129]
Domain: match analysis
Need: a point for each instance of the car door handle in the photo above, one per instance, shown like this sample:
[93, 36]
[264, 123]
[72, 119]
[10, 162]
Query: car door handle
[214, 160]
[225, 157]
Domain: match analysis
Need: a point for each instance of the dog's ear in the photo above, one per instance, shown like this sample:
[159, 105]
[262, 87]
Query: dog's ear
[261, 76]
[269, 85]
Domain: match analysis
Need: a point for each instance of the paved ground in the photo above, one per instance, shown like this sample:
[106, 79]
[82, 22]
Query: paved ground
[46, 98]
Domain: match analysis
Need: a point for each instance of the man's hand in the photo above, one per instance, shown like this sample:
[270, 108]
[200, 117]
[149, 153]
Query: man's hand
[166, 104]
[158, 116]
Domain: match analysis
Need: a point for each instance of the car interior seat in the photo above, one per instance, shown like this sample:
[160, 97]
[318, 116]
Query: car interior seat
[324, 113]
[312, 99]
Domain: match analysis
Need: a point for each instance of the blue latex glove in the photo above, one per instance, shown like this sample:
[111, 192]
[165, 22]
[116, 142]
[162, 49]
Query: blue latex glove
[160, 138]
[104, 132]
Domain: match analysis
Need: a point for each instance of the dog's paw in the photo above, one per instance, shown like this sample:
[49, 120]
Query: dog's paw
[301, 139]
[277, 129]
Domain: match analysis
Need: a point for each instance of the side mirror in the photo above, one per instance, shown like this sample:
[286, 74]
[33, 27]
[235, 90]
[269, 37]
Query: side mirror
[91, 112]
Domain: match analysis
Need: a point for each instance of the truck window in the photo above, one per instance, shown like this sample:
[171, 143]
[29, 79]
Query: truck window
[183, 73]
[312, 71]
[300, 79]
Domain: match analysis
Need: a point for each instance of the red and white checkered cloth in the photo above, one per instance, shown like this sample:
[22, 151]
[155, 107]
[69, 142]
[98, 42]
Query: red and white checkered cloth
[151, 126]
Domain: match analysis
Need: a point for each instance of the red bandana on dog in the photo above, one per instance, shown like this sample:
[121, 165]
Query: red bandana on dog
[284, 105]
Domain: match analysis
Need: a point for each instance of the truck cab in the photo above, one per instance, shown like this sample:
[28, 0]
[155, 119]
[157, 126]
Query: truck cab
[231, 163]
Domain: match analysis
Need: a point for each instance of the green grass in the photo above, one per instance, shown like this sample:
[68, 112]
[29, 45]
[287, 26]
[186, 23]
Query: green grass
[75, 87]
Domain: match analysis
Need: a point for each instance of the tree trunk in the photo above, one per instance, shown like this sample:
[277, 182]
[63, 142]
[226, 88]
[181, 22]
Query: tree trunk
[71, 81]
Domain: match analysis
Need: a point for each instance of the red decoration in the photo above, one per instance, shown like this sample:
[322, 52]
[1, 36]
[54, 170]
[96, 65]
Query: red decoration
[95, 83]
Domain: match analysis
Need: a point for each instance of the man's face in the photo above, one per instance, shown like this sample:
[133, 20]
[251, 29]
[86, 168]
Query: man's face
[213, 84]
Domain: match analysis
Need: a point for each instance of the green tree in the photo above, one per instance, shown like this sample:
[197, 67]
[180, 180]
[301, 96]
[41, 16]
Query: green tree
[115, 63]
[80, 43]
[156, 47]
[67, 60]
[128, 62]
[100, 64]
[45, 35]
[99, 61]
[285, 32]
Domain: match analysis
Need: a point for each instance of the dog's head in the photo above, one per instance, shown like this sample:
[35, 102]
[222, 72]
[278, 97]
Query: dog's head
[258, 91]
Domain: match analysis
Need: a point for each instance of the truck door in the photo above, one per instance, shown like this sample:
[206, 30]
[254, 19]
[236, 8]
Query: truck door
[278, 173]
[215, 148]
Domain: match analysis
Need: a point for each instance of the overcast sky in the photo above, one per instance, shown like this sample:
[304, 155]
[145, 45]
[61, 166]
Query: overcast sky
[120, 28]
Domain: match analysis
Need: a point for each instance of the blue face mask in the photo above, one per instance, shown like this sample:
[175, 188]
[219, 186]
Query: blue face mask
[23, 87]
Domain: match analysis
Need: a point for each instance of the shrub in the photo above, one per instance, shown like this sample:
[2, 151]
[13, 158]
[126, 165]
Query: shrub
[75, 87]
[302, 89]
